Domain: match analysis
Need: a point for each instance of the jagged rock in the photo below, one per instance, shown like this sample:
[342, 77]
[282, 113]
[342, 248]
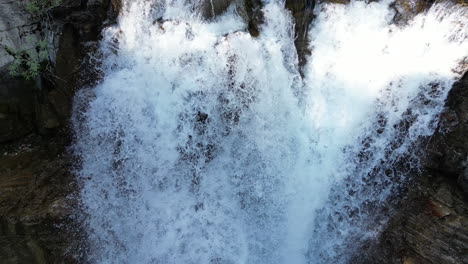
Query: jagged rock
[213, 8]
[431, 224]
[407, 9]
[18, 30]
[448, 148]
[254, 16]
[302, 11]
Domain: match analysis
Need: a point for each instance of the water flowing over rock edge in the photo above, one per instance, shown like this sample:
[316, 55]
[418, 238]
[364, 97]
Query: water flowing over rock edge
[95, 115]
[444, 172]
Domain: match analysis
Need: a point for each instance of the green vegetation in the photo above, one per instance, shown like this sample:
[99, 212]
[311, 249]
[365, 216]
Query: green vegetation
[41, 7]
[29, 63]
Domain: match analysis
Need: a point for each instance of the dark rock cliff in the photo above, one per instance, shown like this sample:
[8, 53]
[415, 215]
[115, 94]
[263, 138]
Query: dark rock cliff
[431, 225]
[35, 178]
[431, 222]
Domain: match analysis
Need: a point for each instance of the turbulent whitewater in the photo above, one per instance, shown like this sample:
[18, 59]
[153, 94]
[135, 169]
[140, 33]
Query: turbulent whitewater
[203, 144]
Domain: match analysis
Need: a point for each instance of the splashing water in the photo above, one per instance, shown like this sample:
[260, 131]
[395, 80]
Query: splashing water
[203, 144]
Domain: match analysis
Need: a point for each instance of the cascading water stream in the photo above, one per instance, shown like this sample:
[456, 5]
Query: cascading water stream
[203, 144]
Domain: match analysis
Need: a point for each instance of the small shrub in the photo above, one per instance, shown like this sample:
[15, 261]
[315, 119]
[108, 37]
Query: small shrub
[41, 7]
[29, 63]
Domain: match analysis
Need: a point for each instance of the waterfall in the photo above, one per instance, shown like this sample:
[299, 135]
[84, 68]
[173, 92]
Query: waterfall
[203, 144]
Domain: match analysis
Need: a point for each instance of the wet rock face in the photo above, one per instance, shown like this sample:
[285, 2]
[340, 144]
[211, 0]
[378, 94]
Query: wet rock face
[116, 5]
[431, 225]
[253, 10]
[302, 12]
[213, 8]
[448, 148]
[407, 9]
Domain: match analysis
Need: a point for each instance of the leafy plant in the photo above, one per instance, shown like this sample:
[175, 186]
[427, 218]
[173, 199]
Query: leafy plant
[29, 63]
[40, 7]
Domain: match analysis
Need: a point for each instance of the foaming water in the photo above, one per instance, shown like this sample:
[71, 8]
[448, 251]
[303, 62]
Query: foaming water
[205, 145]
[375, 89]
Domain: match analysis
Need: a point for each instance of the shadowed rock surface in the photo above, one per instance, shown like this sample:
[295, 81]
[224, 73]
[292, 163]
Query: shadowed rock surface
[35, 182]
[213, 8]
[302, 12]
[431, 224]
[35, 178]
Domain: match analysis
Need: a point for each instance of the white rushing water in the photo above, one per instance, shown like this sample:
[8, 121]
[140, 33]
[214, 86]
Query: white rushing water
[203, 144]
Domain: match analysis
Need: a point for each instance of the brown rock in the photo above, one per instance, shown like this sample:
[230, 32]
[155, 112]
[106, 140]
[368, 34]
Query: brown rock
[407, 9]
[410, 260]
[117, 5]
[431, 225]
[34, 185]
[448, 148]
[342, 2]
[438, 210]
[212, 8]
[254, 16]
[302, 12]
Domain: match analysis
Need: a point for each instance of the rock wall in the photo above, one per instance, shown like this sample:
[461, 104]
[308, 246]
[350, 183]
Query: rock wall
[43, 105]
[302, 12]
[35, 181]
[35, 178]
[431, 224]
